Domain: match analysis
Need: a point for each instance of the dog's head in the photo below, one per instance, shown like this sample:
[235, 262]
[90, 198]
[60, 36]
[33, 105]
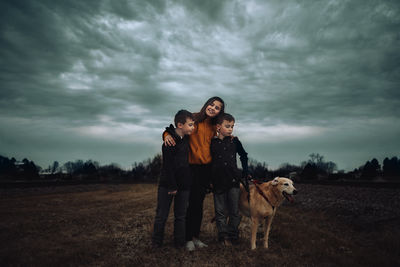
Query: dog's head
[285, 186]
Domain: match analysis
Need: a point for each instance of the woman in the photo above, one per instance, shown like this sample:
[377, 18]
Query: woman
[200, 163]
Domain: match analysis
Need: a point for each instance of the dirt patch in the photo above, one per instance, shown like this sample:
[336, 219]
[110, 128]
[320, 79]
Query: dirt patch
[111, 225]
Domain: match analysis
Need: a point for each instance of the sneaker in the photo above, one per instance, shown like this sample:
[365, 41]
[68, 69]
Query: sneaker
[190, 246]
[199, 244]
[227, 243]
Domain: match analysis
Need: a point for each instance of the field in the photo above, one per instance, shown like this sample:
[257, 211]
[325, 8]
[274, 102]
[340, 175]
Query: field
[110, 225]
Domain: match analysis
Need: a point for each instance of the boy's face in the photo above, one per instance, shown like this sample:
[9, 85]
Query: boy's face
[226, 128]
[188, 127]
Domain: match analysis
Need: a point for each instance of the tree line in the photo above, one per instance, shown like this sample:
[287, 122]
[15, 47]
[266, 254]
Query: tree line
[149, 170]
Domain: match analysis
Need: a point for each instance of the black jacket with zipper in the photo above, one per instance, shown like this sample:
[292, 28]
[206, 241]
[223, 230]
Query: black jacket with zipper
[176, 174]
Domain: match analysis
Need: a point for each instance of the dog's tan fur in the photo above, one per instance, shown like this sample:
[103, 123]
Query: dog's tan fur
[259, 209]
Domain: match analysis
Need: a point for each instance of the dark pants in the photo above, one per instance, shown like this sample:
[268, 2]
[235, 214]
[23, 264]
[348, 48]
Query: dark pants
[227, 209]
[200, 185]
[163, 205]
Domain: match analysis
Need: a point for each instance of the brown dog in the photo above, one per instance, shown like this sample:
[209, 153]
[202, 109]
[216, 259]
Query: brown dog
[265, 198]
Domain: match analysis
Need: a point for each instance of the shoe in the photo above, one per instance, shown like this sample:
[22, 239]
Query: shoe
[190, 246]
[227, 243]
[199, 244]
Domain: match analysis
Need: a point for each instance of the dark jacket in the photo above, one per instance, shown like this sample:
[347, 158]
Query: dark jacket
[225, 173]
[176, 173]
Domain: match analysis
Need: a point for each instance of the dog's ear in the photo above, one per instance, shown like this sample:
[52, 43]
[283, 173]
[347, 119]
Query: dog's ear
[275, 181]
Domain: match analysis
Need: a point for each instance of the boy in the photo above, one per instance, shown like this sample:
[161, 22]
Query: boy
[175, 181]
[225, 179]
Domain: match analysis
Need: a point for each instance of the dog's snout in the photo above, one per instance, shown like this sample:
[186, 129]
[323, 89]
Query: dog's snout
[294, 192]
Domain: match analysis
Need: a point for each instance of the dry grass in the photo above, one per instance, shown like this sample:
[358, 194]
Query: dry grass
[112, 226]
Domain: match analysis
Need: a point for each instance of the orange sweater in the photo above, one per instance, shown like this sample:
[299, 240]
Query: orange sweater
[199, 142]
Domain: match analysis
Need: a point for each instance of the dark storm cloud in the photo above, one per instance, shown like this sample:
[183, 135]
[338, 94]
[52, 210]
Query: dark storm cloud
[49, 47]
[85, 77]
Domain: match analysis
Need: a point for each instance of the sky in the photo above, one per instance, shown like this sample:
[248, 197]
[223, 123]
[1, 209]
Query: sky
[100, 79]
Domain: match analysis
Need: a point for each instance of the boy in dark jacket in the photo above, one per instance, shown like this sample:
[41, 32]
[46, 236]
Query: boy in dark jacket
[175, 181]
[225, 179]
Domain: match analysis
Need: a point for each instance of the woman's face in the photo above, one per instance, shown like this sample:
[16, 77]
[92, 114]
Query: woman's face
[214, 109]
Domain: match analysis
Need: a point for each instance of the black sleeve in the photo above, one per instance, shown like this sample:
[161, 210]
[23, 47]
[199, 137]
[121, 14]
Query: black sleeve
[243, 156]
[169, 166]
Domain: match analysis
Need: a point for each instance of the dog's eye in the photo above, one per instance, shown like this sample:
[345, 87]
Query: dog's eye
[286, 184]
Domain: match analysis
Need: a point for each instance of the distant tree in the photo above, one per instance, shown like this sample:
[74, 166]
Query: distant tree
[29, 170]
[371, 170]
[7, 167]
[391, 168]
[317, 167]
[110, 172]
[69, 167]
[138, 171]
[55, 166]
[258, 170]
[375, 165]
[329, 167]
[155, 166]
[310, 172]
[285, 169]
[316, 158]
[85, 170]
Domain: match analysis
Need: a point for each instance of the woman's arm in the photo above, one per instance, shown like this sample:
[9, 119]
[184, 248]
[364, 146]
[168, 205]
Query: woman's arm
[168, 139]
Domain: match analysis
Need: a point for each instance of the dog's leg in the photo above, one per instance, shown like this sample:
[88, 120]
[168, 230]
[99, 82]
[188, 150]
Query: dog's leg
[267, 228]
[254, 226]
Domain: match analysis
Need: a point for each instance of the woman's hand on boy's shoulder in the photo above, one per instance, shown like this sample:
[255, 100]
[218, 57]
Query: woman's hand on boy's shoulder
[169, 140]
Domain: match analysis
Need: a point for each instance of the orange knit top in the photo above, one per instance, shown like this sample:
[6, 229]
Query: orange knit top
[200, 141]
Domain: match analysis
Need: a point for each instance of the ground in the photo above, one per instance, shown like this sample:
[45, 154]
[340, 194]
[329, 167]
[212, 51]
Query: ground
[111, 225]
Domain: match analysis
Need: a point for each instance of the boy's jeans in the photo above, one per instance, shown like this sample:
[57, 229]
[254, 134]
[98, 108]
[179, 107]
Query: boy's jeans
[227, 201]
[163, 205]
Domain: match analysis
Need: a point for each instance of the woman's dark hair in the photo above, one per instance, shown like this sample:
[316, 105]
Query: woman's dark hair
[201, 116]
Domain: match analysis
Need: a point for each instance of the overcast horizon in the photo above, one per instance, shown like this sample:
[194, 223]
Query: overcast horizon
[101, 79]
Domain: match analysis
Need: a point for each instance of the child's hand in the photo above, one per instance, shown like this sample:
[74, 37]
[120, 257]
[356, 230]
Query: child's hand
[169, 141]
[173, 192]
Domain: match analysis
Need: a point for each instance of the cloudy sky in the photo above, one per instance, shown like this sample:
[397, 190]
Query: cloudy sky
[101, 79]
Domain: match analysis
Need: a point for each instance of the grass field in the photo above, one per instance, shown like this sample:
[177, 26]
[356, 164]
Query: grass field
[111, 226]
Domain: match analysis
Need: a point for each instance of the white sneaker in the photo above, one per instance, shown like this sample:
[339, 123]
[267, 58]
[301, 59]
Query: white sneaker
[199, 244]
[190, 246]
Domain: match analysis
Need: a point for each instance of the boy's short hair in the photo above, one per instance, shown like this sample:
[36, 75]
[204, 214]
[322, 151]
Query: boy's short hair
[181, 116]
[225, 117]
